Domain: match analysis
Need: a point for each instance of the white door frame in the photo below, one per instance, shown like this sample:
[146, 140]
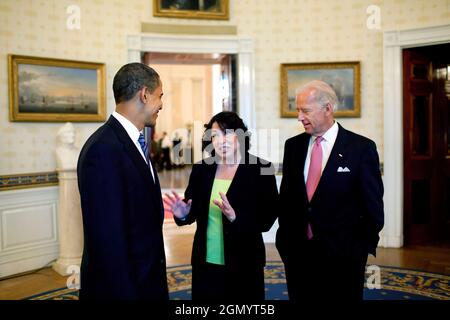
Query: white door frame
[243, 47]
[394, 42]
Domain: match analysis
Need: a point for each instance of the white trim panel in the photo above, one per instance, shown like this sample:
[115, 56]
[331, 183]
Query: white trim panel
[28, 229]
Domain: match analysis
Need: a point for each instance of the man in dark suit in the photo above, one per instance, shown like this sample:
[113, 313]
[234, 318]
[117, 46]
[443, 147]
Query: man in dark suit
[123, 255]
[332, 203]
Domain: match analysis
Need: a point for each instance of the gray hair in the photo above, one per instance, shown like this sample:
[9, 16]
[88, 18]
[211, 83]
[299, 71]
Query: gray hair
[323, 93]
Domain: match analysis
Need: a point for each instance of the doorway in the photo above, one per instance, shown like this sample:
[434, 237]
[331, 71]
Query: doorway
[426, 144]
[196, 86]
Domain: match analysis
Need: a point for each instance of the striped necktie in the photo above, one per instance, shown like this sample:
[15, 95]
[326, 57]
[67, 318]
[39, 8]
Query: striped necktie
[144, 147]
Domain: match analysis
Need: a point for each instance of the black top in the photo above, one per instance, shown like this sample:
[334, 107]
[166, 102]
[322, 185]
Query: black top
[253, 195]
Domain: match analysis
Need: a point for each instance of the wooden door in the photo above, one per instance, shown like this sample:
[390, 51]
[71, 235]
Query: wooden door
[426, 93]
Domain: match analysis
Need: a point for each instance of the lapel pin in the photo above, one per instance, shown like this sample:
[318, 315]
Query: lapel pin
[340, 155]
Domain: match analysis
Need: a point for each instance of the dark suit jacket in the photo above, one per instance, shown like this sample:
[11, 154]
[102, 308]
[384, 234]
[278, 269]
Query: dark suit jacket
[346, 211]
[254, 198]
[122, 209]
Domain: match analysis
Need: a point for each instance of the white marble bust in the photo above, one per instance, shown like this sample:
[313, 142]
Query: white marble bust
[66, 151]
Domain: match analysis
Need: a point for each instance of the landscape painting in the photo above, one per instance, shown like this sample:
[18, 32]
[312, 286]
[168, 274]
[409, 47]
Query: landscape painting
[343, 77]
[192, 9]
[56, 90]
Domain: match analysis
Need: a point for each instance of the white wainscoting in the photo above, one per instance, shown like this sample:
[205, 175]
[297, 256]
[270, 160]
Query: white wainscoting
[28, 229]
[269, 237]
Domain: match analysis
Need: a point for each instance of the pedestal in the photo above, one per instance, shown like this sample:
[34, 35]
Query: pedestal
[70, 225]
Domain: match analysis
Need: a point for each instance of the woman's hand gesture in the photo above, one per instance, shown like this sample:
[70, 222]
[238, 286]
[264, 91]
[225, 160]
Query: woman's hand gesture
[225, 206]
[176, 205]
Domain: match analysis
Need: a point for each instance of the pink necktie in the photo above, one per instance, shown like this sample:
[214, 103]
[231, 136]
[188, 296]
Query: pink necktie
[314, 173]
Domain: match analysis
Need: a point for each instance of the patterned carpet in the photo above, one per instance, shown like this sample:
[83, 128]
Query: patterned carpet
[396, 284]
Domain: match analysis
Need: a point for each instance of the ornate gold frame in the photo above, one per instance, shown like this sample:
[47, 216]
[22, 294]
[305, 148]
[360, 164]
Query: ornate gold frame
[16, 115]
[355, 112]
[222, 14]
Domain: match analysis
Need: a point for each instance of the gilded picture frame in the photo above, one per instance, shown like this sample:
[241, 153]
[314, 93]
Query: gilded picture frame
[192, 9]
[55, 90]
[344, 77]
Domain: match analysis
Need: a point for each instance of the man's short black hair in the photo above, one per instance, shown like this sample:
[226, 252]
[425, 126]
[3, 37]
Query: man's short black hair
[131, 78]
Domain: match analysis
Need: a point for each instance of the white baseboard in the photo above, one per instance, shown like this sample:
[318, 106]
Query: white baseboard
[390, 242]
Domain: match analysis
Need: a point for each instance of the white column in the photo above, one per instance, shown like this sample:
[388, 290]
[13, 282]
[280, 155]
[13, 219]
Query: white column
[134, 48]
[392, 234]
[246, 106]
[70, 226]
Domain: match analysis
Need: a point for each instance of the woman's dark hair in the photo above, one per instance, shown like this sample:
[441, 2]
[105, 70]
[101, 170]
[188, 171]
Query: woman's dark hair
[227, 120]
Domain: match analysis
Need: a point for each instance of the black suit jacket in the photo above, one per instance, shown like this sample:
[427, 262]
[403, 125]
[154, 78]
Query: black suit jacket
[253, 196]
[346, 212]
[123, 255]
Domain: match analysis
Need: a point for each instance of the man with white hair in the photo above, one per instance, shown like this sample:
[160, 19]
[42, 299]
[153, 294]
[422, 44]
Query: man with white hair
[332, 202]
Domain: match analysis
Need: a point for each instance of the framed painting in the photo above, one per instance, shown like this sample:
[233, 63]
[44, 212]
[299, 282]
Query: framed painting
[53, 90]
[192, 9]
[343, 77]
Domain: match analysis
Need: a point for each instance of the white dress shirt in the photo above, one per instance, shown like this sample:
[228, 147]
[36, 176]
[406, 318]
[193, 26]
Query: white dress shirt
[166, 143]
[329, 138]
[133, 133]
